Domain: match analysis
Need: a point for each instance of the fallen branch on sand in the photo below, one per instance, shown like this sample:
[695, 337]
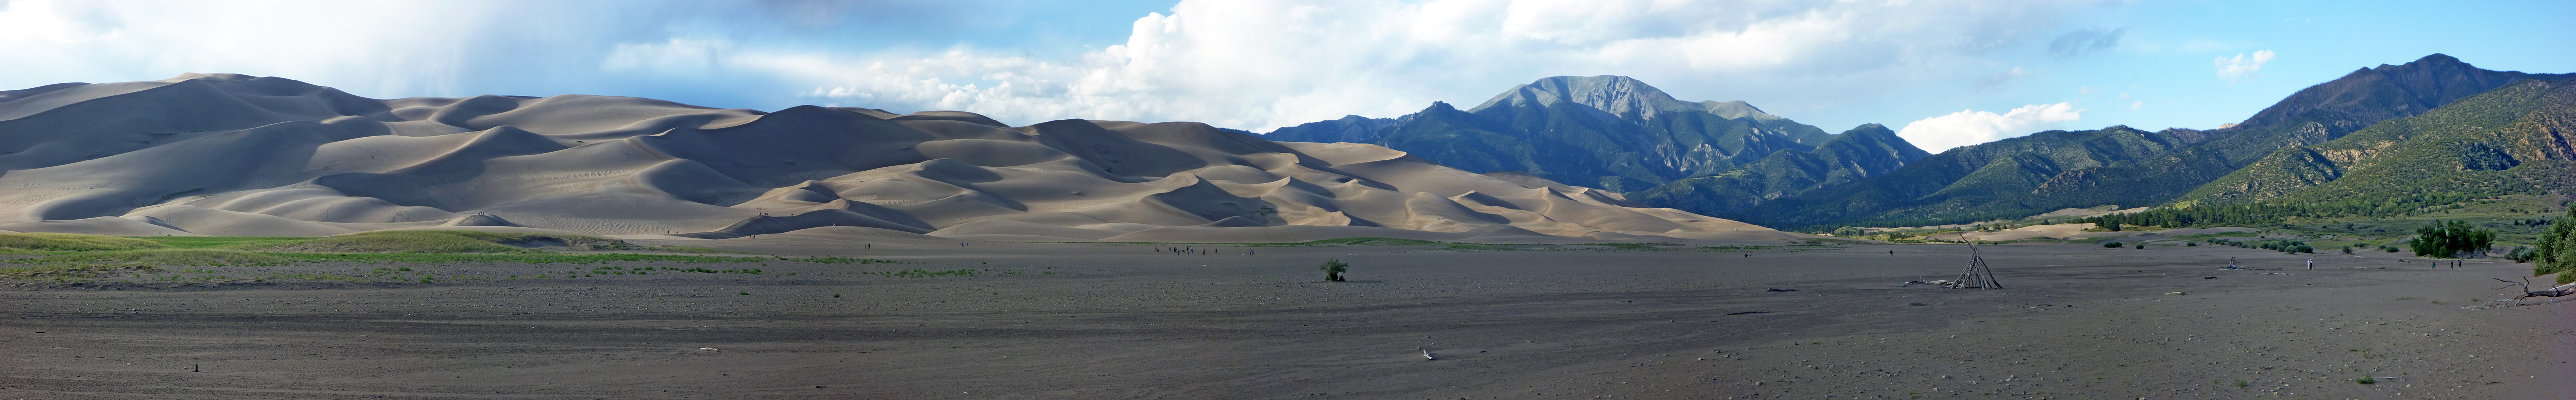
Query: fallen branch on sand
[2552, 293]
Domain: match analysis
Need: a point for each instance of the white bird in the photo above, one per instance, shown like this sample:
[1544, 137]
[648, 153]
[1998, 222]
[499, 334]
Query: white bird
[1426, 355]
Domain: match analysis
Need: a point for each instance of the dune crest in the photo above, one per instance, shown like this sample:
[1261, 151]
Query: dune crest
[229, 154]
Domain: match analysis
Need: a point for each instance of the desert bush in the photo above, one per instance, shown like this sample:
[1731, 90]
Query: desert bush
[1333, 269]
[2110, 245]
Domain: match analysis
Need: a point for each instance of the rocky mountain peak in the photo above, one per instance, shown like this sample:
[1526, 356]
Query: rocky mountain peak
[1618, 95]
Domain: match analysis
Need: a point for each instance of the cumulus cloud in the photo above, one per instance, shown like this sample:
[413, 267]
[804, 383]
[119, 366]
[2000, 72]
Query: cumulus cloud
[1968, 127]
[1261, 64]
[2242, 66]
[1253, 64]
[2080, 41]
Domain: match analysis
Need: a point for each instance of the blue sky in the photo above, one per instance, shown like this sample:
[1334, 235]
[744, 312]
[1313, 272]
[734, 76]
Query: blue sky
[1944, 73]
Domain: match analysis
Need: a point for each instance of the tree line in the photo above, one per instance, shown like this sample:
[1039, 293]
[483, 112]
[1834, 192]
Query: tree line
[2259, 213]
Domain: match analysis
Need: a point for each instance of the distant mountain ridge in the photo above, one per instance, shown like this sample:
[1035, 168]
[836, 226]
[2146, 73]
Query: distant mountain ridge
[1606, 131]
[2119, 165]
[2517, 139]
[1869, 150]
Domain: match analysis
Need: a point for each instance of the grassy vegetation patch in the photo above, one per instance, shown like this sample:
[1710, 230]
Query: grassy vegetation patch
[221, 242]
[1474, 247]
[60, 271]
[440, 241]
[923, 273]
[838, 260]
[514, 257]
[71, 242]
[1366, 241]
[196, 257]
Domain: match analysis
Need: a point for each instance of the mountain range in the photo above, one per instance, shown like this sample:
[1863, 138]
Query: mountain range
[1567, 157]
[1611, 132]
[1782, 176]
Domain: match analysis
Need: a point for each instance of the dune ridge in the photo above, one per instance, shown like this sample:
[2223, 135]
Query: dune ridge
[229, 154]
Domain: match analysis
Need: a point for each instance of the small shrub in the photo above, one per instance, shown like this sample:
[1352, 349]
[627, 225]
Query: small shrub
[2142, 247]
[2110, 245]
[2521, 254]
[2365, 379]
[745, 293]
[1333, 269]
[2191, 244]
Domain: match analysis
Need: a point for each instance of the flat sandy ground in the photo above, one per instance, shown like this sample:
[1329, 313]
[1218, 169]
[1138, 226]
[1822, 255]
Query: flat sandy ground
[1079, 321]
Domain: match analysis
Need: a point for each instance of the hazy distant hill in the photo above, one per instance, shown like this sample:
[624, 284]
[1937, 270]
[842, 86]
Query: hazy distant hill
[2517, 139]
[2121, 166]
[1605, 131]
[1350, 128]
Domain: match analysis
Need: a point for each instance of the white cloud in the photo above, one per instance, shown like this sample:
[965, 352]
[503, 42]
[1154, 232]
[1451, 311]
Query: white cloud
[1261, 64]
[1968, 127]
[2240, 67]
[675, 55]
[1253, 64]
[2135, 104]
[58, 22]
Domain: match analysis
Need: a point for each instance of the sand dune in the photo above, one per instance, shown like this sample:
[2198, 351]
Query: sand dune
[227, 154]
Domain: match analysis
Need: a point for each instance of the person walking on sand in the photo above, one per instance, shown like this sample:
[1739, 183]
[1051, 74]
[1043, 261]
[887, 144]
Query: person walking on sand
[2312, 264]
[2231, 263]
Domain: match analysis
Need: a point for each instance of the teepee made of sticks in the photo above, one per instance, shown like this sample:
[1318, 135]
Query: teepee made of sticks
[1977, 275]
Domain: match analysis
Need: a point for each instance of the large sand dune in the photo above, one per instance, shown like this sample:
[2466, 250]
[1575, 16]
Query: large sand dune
[227, 154]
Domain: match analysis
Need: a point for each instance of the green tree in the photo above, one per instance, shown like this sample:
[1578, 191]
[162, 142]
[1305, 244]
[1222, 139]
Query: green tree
[1333, 270]
[2447, 239]
[2556, 252]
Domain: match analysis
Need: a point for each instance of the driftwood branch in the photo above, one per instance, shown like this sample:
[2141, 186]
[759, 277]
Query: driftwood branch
[2553, 293]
